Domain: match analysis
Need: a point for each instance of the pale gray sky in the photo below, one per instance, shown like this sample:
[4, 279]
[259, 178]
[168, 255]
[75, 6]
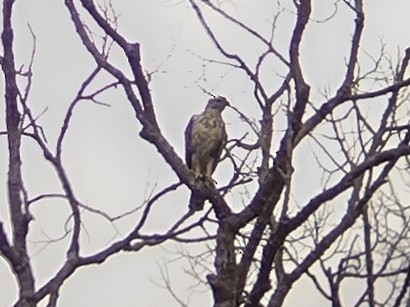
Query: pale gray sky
[113, 170]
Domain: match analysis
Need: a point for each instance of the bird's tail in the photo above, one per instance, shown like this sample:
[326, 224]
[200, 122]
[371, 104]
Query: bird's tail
[196, 201]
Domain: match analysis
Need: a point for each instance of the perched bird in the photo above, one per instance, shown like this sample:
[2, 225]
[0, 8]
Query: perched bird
[205, 137]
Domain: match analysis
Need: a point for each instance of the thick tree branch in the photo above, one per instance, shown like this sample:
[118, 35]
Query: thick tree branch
[302, 90]
[347, 181]
[20, 218]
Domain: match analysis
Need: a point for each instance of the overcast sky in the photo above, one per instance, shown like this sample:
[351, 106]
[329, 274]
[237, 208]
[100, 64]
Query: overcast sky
[112, 169]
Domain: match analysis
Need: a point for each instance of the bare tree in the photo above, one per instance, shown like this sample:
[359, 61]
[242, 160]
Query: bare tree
[352, 228]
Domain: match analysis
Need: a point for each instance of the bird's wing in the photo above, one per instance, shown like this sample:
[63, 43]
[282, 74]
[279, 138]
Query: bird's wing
[188, 141]
[216, 154]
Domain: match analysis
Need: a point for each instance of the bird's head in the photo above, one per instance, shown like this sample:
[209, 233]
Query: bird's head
[219, 103]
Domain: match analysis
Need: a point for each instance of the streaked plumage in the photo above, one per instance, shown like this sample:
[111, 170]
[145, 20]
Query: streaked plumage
[205, 137]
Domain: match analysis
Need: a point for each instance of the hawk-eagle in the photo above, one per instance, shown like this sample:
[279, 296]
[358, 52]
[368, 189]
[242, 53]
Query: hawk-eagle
[205, 137]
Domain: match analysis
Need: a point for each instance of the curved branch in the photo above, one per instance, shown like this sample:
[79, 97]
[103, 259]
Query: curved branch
[228, 55]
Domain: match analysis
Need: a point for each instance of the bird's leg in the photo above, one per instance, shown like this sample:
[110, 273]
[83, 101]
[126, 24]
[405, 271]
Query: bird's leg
[198, 174]
[214, 182]
[202, 176]
[205, 179]
[210, 180]
[209, 172]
